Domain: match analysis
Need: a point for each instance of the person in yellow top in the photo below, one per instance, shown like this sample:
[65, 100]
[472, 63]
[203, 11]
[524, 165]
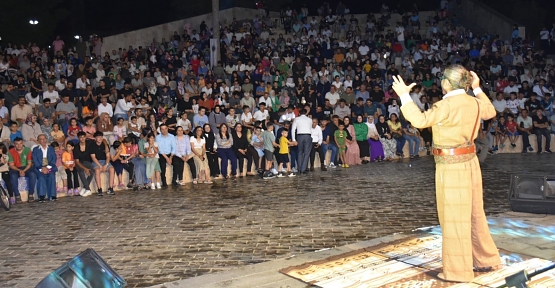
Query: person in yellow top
[283, 158]
[455, 122]
[367, 66]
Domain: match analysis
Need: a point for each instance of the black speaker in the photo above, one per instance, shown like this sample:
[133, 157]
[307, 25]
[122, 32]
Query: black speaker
[532, 194]
[86, 270]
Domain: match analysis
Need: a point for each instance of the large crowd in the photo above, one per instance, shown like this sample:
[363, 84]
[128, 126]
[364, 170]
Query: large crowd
[69, 116]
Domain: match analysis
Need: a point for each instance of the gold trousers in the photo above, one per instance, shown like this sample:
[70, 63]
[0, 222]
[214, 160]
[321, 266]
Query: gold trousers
[467, 241]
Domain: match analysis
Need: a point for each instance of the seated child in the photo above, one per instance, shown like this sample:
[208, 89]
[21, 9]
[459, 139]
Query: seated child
[72, 130]
[120, 131]
[61, 173]
[57, 134]
[89, 128]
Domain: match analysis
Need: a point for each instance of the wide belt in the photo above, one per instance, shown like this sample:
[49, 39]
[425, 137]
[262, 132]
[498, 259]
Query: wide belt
[454, 151]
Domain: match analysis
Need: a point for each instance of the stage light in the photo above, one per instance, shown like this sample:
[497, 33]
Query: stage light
[33, 22]
[77, 37]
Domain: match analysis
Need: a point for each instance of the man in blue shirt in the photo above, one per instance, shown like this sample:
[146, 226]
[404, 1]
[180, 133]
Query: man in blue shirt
[363, 93]
[166, 150]
[200, 119]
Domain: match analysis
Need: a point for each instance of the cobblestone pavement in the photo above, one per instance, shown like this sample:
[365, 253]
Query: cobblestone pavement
[166, 235]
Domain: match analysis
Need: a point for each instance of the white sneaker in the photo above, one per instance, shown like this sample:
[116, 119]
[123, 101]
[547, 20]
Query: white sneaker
[294, 170]
[274, 171]
[82, 191]
[158, 186]
[332, 165]
[87, 193]
[152, 186]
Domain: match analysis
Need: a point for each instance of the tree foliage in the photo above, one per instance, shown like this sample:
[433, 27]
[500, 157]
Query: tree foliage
[15, 16]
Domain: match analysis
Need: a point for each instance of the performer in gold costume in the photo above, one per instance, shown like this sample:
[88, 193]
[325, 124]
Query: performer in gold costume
[455, 122]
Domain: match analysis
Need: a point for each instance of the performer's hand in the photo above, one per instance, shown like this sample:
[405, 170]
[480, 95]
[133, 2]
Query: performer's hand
[475, 80]
[400, 87]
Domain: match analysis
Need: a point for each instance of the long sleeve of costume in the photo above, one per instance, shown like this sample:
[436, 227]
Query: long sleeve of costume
[487, 111]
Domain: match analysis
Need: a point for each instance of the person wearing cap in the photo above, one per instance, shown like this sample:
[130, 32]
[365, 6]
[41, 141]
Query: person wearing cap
[455, 121]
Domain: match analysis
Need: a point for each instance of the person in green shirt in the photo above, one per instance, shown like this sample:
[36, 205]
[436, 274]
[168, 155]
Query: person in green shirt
[340, 136]
[361, 132]
[428, 81]
[20, 163]
[283, 67]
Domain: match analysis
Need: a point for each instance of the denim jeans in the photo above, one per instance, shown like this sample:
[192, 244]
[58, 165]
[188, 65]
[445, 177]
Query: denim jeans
[381, 106]
[14, 176]
[333, 149]
[123, 115]
[226, 154]
[400, 144]
[86, 180]
[414, 144]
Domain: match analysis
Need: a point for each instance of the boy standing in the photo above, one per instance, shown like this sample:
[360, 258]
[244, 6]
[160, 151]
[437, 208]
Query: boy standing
[283, 156]
[269, 143]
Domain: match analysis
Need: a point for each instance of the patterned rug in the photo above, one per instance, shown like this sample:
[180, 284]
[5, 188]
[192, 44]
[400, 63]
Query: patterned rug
[411, 262]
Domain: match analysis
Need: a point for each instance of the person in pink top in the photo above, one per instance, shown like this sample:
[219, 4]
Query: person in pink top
[89, 128]
[58, 44]
[120, 130]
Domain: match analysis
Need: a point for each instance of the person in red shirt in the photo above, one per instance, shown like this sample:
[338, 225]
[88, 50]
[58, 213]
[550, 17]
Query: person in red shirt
[511, 128]
[195, 63]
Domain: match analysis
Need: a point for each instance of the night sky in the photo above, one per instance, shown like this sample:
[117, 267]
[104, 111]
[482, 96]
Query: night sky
[108, 17]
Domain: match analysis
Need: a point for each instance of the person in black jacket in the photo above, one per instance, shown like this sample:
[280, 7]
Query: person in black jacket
[211, 154]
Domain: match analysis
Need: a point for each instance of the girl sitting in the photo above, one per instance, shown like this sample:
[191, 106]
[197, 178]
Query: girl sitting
[120, 131]
[72, 130]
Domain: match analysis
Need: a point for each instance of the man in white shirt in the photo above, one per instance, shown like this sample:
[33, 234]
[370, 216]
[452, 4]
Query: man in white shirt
[525, 126]
[301, 132]
[333, 96]
[61, 84]
[82, 82]
[510, 89]
[262, 114]
[123, 106]
[51, 94]
[289, 115]
[500, 104]
[363, 49]
[540, 89]
[400, 31]
[104, 107]
[162, 80]
[207, 89]
[317, 138]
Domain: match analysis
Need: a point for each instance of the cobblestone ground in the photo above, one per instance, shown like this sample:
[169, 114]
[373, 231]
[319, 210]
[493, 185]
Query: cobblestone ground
[166, 235]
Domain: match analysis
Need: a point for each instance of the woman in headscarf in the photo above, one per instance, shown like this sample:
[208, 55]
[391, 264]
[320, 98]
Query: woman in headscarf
[31, 131]
[352, 156]
[389, 144]
[376, 148]
[361, 131]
